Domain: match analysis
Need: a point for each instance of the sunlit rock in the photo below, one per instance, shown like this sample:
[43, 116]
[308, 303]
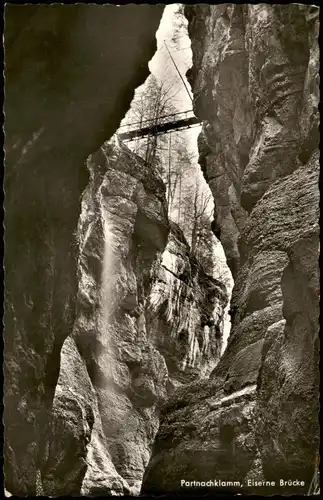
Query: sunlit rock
[148, 319]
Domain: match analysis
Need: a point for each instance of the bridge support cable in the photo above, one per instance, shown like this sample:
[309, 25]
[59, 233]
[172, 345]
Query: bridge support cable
[178, 71]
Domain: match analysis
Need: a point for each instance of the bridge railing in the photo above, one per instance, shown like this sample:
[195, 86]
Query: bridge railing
[161, 128]
[151, 122]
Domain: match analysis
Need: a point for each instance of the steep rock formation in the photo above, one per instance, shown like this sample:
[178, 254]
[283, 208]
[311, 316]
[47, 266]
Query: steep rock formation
[70, 75]
[122, 371]
[188, 304]
[142, 325]
[255, 84]
[287, 402]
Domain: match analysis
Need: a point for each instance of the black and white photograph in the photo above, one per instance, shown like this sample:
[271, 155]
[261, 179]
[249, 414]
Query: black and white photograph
[161, 250]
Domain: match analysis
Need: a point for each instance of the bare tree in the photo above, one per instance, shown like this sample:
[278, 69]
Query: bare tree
[151, 107]
[178, 168]
[199, 203]
[196, 218]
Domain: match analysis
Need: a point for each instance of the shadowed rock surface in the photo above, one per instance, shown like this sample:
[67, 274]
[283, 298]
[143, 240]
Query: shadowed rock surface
[62, 100]
[137, 282]
[255, 84]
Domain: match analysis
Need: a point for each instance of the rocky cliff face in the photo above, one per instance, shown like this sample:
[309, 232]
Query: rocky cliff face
[84, 388]
[62, 101]
[148, 317]
[188, 305]
[255, 84]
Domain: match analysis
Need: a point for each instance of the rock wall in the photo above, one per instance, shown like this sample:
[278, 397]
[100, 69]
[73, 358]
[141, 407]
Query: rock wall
[188, 305]
[70, 75]
[148, 317]
[255, 84]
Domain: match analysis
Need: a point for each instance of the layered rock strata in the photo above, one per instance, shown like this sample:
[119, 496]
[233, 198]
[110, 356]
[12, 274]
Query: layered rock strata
[255, 84]
[148, 318]
[70, 75]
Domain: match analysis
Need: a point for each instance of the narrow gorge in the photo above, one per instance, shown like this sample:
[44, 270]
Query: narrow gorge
[115, 381]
